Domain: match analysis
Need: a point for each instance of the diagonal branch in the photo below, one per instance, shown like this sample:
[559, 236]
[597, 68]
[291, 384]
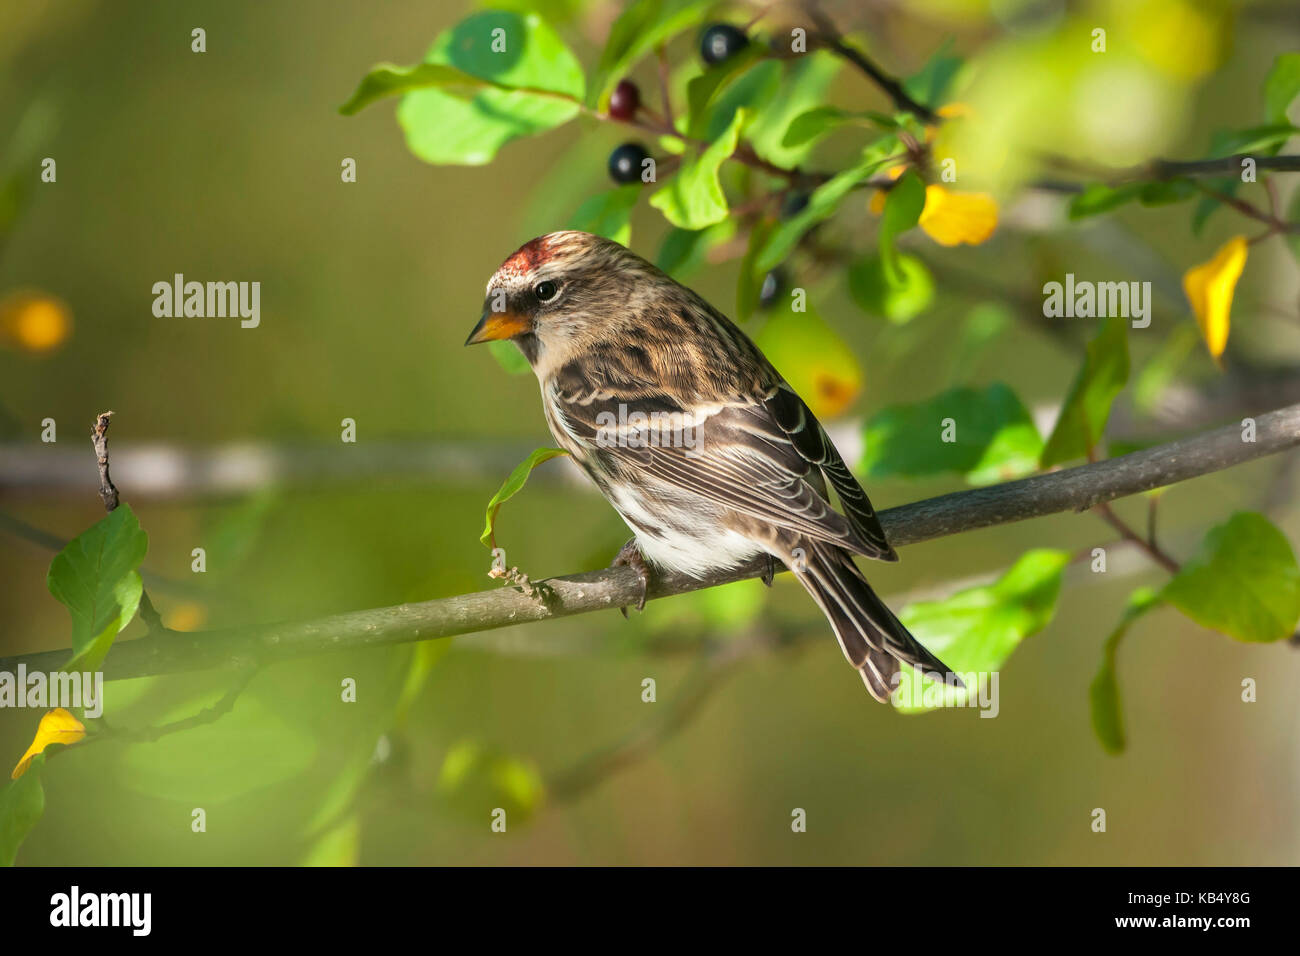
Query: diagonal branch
[1072, 489]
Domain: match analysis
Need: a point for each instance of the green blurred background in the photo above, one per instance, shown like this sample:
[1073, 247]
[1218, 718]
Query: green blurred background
[225, 165]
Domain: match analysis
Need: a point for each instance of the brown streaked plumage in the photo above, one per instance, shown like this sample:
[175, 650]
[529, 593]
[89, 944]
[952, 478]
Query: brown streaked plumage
[692, 435]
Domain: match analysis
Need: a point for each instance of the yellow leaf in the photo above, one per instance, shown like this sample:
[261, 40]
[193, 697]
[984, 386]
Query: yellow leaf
[34, 322]
[1209, 289]
[951, 218]
[56, 727]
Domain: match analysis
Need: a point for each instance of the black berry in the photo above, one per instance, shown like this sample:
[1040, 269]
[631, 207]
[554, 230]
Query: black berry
[794, 204]
[721, 41]
[625, 163]
[773, 283]
[624, 101]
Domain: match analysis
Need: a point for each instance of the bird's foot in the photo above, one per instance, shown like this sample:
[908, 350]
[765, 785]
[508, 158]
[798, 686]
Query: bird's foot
[631, 557]
[769, 570]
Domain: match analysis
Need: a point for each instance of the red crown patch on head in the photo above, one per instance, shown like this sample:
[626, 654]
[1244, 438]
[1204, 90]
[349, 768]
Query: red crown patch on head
[526, 258]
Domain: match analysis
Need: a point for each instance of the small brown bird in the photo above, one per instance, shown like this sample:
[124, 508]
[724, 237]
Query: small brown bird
[692, 435]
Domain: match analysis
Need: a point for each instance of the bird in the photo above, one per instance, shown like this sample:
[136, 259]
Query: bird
[698, 442]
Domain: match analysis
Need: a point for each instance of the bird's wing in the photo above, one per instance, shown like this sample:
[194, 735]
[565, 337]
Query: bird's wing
[812, 443]
[752, 455]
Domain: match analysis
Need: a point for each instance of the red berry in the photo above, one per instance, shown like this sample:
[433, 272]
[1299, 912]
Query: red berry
[625, 100]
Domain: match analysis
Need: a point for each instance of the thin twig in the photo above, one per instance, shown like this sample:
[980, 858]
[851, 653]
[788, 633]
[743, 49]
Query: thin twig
[99, 439]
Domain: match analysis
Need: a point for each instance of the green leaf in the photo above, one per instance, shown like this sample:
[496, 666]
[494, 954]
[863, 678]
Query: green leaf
[1267, 139]
[534, 85]
[703, 89]
[693, 198]
[930, 85]
[903, 206]
[511, 487]
[813, 124]
[1208, 205]
[1103, 693]
[799, 87]
[1087, 406]
[644, 25]
[994, 437]
[899, 294]
[509, 357]
[1097, 199]
[388, 79]
[1281, 87]
[95, 576]
[976, 630]
[1168, 192]
[684, 250]
[608, 214]
[823, 202]
[1244, 582]
[1160, 370]
[22, 803]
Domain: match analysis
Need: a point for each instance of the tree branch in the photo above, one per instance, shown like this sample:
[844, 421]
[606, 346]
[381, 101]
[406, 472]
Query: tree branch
[1073, 489]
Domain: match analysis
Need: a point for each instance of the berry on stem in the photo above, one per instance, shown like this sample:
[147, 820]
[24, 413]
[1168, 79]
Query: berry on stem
[773, 283]
[625, 163]
[721, 41]
[625, 100]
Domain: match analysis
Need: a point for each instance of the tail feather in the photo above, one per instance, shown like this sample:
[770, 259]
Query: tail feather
[873, 640]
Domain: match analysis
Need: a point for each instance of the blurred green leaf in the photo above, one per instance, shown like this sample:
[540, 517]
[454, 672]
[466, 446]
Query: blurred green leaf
[509, 357]
[1097, 199]
[642, 26]
[899, 294]
[693, 199]
[1160, 370]
[250, 748]
[608, 214]
[1087, 405]
[823, 202]
[338, 846]
[512, 485]
[683, 251]
[1168, 192]
[994, 437]
[976, 630]
[801, 86]
[1281, 87]
[95, 576]
[1244, 582]
[930, 85]
[703, 89]
[536, 84]
[476, 779]
[1103, 693]
[983, 324]
[812, 124]
[22, 803]
[903, 205]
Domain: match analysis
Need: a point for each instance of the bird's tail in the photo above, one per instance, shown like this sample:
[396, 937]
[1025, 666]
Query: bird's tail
[872, 638]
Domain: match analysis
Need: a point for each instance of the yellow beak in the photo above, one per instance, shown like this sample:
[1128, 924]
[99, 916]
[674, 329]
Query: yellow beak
[499, 325]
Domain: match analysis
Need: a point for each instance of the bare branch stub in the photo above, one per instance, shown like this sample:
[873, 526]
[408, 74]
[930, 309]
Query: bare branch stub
[99, 438]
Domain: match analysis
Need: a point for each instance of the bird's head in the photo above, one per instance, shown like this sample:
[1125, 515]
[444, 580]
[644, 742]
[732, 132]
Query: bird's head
[563, 294]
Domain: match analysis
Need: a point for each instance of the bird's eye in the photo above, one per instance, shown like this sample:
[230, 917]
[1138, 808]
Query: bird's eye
[545, 291]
